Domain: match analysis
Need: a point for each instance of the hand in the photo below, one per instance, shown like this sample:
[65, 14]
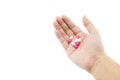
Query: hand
[91, 47]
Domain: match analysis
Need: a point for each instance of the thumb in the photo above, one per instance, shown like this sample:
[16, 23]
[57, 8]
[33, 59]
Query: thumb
[88, 24]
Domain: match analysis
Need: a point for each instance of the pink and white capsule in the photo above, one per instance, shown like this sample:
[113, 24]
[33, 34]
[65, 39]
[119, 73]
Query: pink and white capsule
[70, 39]
[75, 45]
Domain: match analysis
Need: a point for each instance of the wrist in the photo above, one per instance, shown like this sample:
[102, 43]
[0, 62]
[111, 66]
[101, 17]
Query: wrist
[93, 60]
[105, 69]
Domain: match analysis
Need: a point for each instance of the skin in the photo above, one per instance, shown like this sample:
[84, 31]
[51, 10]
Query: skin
[91, 47]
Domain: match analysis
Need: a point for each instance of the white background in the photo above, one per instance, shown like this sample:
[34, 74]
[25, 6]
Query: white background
[29, 49]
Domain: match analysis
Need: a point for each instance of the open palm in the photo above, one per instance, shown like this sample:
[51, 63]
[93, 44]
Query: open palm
[90, 48]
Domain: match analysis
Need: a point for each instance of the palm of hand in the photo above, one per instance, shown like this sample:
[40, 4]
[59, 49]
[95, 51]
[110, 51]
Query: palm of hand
[90, 48]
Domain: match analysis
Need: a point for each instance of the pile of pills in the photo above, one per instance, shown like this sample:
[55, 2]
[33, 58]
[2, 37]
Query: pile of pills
[76, 42]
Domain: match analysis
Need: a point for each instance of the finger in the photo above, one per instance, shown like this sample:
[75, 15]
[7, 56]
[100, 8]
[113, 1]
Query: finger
[71, 25]
[58, 27]
[88, 24]
[61, 39]
[64, 26]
